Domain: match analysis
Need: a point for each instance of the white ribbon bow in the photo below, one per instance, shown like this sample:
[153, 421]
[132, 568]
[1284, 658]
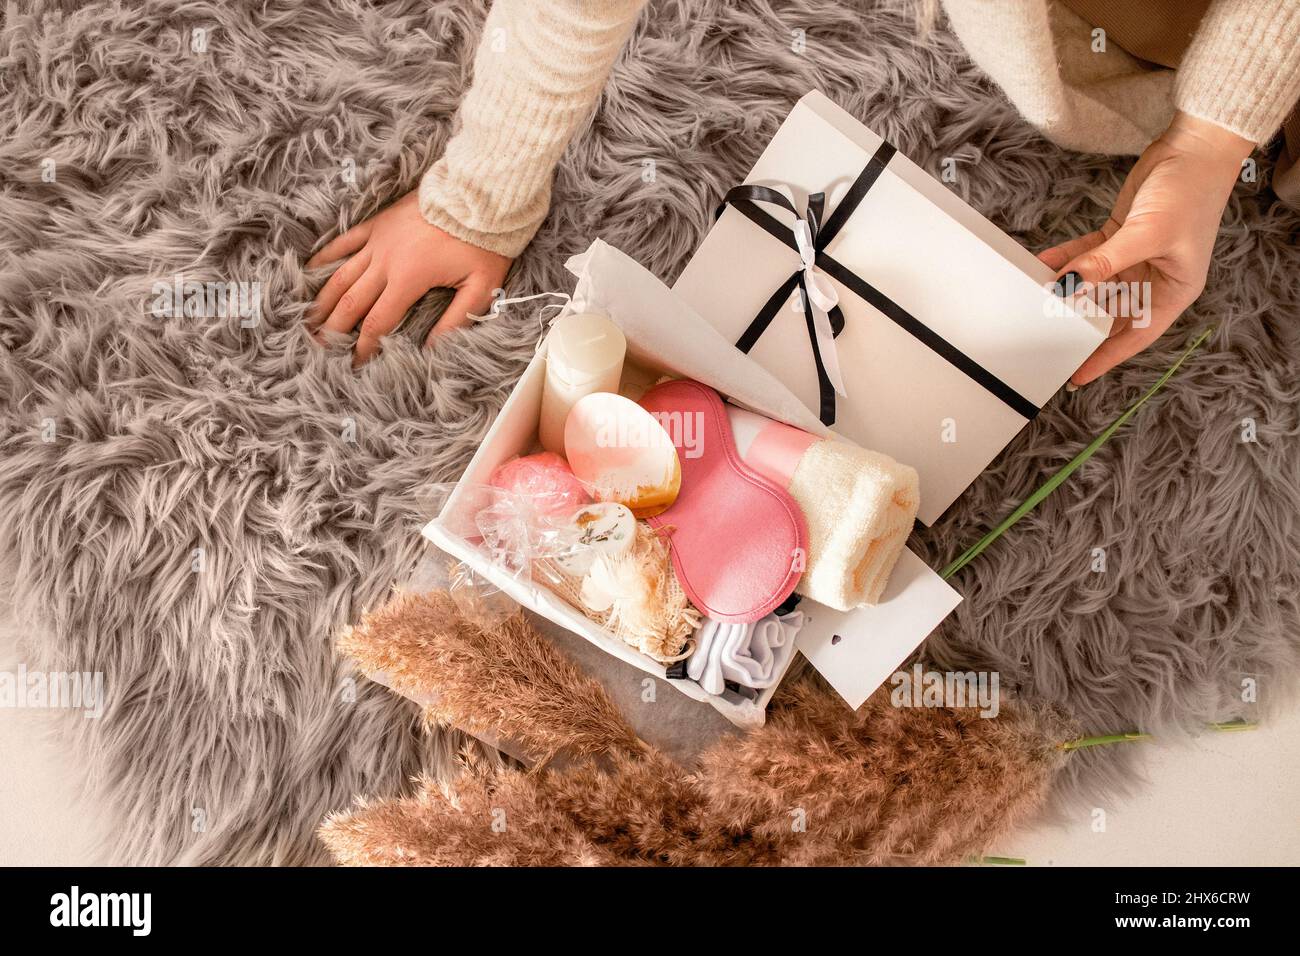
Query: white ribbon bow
[822, 297]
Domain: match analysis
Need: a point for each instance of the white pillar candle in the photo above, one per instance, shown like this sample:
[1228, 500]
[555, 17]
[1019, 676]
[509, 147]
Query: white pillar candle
[584, 355]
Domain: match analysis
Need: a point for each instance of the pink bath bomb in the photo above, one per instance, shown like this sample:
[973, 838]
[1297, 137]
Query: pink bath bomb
[546, 480]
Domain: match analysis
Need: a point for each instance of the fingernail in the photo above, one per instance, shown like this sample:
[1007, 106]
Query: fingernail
[1068, 284]
[1071, 387]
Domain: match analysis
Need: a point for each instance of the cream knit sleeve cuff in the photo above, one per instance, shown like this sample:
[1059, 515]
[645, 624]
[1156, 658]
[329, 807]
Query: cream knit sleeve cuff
[1242, 70]
[538, 72]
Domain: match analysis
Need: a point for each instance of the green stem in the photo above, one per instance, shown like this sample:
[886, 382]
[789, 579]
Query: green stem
[1103, 740]
[998, 861]
[1050, 485]
[1055, 481]
[1229, 726]
[1235, 725]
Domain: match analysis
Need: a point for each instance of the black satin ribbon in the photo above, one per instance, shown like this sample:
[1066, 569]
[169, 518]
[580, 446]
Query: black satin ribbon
[744, 198]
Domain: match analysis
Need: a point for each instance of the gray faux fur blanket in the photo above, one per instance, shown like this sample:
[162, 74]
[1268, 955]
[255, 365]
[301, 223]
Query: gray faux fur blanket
[194, 506]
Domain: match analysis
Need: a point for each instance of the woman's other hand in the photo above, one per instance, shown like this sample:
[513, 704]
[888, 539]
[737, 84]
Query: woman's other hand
[1159, 238]
[395, 257]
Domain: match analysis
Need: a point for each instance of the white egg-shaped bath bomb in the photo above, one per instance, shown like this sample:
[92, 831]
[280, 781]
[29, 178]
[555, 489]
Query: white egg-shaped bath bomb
[620, 452]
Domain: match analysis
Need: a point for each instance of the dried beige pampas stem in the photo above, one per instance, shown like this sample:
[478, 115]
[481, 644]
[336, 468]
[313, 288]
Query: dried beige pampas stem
[887, 784]
[508, 681]
[818, 785]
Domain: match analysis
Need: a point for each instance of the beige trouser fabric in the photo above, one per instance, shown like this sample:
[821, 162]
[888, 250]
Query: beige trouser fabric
[1159, 31]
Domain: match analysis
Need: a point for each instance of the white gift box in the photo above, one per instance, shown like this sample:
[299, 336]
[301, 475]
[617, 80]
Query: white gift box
[952, 339]
[949, 340]
[856, 651]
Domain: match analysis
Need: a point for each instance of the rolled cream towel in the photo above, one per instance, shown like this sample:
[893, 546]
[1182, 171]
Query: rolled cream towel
[859, 505]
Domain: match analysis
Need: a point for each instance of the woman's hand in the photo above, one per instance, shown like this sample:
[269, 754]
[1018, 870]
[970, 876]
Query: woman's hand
[396, 257]
[1158, 239]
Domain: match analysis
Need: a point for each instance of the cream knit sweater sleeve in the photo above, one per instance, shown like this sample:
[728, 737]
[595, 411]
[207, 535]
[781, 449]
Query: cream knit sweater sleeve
[539, 69]
[1242, 70]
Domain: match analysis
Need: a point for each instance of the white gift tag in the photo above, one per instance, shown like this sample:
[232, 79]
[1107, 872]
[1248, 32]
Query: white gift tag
[857, 650]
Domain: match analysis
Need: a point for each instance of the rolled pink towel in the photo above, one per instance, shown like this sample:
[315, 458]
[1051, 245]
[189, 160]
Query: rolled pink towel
[859, 505]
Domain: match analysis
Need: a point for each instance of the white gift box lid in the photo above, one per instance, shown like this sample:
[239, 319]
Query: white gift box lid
[924, 249]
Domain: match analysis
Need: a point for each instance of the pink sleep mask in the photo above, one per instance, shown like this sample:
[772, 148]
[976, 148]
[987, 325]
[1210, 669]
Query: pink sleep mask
[738, 539]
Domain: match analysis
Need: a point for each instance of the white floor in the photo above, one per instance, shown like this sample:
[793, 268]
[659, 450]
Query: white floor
[1227, 798]
[42, 822]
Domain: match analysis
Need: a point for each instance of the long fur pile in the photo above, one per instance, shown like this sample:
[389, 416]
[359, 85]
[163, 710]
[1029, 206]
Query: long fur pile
[173, 434]
[818, 784]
